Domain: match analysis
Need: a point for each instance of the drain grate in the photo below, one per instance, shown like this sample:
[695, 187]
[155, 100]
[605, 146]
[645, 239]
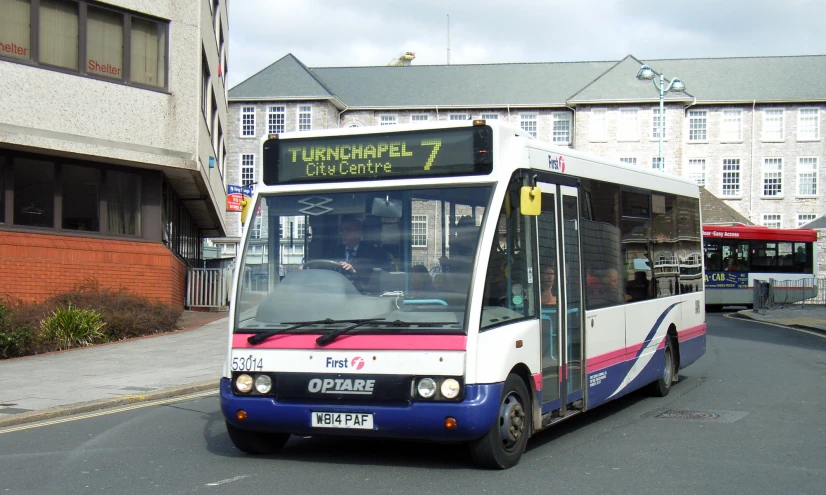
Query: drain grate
[715, 416]
[695, 415]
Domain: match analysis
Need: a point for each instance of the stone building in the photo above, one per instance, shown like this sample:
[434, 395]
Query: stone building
[112, 153]
[748, 129]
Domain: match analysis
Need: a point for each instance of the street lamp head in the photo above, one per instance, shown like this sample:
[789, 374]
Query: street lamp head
[677, 86]
[645, 73]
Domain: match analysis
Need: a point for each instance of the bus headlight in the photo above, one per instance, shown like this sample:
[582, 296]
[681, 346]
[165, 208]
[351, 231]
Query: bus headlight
[263, 384]
[450, 388]
[426, 388]
[243, 383]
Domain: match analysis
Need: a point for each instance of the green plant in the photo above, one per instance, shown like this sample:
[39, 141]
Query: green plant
[69, 327]
[14, 341]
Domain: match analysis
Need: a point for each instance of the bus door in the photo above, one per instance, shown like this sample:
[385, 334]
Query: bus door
[559, 268]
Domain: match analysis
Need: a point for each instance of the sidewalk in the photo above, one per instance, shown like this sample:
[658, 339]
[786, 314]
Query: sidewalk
[57, 384]
[806, 316]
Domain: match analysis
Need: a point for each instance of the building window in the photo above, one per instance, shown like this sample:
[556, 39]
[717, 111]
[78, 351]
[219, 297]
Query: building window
[255, 232]
[808, 124]
[598, 126]
[58, 37]
[104, 43]
[490, 116]
[804, 218]
[696, 171]
[247, 169]
[276, 118]
[655, 123]
[773, 128]
[419, 117]
[419, 231]
[124, 202]
[561, 128]
[629, 160]
[697, 125]
[247, 121]
[34, 189]
[657, 163]
[528, 123]
[772, 220]
[731, 177]
[773, 177]
[205, 89]
[81, 198]
[732, 128]
[90, 44]
[807, 176]
[627, 127]
[148, 55]
[459, 116]
[305, 117]
[388, 119]
[15, 34]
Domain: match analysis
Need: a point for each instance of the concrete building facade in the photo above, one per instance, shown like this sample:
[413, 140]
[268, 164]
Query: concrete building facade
[112, 161]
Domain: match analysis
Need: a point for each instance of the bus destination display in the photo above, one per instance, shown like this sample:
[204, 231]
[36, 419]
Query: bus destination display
[430, 153]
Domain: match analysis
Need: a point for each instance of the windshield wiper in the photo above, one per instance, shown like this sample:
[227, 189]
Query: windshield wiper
[261, 337]
[329, 337]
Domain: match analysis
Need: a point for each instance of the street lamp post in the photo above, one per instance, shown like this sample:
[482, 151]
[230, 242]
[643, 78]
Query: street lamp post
[675, 86]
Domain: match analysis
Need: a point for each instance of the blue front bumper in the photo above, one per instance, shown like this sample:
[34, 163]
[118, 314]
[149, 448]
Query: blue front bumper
[416, 420]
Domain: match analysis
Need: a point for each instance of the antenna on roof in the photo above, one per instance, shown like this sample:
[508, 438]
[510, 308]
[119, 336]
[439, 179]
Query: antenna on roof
[448, 39]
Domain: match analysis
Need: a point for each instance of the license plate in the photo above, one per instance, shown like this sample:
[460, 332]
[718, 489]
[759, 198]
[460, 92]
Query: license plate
[362, 421]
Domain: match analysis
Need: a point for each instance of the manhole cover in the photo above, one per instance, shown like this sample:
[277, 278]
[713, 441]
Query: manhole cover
[679, 414]
[716, 416]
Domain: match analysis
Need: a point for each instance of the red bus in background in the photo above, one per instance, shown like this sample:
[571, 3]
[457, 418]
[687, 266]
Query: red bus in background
[735, 256]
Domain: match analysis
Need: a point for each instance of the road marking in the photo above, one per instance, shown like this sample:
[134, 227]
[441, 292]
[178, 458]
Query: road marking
[779, 325]
[107, 412]
[228, 480]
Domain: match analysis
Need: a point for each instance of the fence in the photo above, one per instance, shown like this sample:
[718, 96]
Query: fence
[770, 294]
[208, 287]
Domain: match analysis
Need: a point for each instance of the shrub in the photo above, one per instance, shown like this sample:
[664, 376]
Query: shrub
[72, 327]
[14, 341]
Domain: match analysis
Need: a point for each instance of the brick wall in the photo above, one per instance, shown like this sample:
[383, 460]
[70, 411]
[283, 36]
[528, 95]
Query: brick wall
[34, 267]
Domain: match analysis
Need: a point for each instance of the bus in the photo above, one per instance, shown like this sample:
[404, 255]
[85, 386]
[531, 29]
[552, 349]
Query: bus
[737, 255]
[552, 294]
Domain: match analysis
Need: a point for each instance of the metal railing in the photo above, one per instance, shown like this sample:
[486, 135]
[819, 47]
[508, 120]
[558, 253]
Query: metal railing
[771, 294]
[208, 287]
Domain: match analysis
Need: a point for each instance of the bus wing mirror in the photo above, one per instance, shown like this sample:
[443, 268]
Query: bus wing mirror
[245, 210]
[530, 202]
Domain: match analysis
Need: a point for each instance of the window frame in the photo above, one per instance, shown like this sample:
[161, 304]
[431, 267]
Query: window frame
[771, 175]
[630, 160]
[388, 119]
[247, 128]
[272, 127]
[691, 172]
[655, 124]
[738, 193]
[626, 132]
[489, 116]
[813, 172]
[779, 218]
[531, 119]
[697, 122]
[419, 221]
[82, 70]
[598, 125]
[782, 125]
[800, 118]
[417, 117]
[799, 225]
[726, 136]
[247, 168]
[459, 116]
[304, 110]
[558, 118]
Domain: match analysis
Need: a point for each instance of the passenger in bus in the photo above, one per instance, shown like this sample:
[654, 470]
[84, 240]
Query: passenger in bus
[358, 258]
[462, 247]
[419, 280]
[612, 291]
[731, 264]
[548, 284]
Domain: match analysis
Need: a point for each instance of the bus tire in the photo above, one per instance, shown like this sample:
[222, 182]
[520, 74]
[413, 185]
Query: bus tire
[257, 442]
[662, 385]
[503, 445]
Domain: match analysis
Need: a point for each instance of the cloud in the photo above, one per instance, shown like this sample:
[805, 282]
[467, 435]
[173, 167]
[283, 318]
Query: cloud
[366, 32]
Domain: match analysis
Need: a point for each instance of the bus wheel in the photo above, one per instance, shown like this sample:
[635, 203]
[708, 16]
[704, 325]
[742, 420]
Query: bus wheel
[257, 442]
[504, 443]
[662, 386]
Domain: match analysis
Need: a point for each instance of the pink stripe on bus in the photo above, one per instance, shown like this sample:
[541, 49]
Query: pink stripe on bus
[359, 342]
[608, 359]
[692, 332]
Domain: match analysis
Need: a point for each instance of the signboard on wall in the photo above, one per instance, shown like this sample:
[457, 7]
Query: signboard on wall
[234, 196]
[727, 280]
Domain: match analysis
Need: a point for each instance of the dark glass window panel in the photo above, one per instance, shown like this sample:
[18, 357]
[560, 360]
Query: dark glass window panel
[81, 198]
[34, 186]
[124, 202]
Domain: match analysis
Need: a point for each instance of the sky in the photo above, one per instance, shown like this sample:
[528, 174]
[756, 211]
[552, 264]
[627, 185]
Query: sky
[335, 33]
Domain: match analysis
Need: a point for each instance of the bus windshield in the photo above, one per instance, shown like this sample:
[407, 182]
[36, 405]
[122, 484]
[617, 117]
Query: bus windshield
[389, 260]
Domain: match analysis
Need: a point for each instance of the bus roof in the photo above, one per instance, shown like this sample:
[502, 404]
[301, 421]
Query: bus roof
[756, 232]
